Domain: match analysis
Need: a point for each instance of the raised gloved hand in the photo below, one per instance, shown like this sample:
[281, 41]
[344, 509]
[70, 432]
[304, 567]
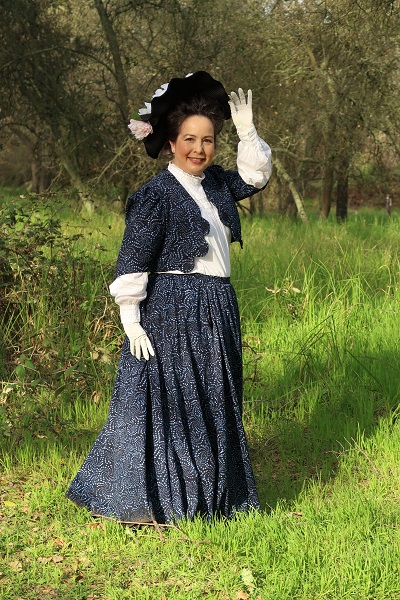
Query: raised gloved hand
[242, 111]
[139, 342]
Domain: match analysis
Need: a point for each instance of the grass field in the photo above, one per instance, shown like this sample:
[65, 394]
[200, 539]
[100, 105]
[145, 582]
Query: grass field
[320, 311]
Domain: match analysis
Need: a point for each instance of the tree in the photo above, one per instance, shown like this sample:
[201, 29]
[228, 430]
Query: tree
[327, 71]
[38, 64]
[324, 74]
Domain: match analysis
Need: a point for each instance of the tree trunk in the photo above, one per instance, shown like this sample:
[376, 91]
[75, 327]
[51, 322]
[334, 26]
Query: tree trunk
[342, 197]
[113, 45]
[34, 184]
[283, 174]
[260, 203]
[256, 204]
[70, 167]
[40, 176]
[327, 188]
[287, 205]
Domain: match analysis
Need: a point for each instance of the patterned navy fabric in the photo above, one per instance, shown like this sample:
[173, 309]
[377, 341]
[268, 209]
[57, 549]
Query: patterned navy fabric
[173, 445]
[164, 227]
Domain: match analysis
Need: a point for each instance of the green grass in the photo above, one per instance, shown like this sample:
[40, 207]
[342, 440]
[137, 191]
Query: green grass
[321, 334]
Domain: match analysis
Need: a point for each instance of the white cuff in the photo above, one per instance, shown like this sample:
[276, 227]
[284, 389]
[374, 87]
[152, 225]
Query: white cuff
[247, 134]
[130, 313]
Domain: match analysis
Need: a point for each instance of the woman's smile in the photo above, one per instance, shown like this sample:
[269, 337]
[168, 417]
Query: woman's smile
[194, 147]
[196, 160]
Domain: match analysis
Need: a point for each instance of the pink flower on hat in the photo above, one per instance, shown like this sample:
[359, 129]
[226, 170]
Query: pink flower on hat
[140, 129]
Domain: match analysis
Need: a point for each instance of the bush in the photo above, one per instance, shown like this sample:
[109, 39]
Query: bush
[55, 314]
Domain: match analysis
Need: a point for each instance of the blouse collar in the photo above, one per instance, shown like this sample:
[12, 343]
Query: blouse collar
[184, 177]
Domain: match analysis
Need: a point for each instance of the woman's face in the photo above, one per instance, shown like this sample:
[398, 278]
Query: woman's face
[195, 145]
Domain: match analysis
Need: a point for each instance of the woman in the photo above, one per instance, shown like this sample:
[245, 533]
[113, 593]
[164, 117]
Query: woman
[173, 445]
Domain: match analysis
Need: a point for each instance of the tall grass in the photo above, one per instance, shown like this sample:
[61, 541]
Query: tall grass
[319, 309]
[321, 341]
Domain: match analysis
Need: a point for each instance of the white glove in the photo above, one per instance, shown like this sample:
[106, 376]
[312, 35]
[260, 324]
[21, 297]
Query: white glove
[242, 112]
[140, 343]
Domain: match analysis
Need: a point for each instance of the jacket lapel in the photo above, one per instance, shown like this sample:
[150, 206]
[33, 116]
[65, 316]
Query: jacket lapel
[216, 196]
[179, 196]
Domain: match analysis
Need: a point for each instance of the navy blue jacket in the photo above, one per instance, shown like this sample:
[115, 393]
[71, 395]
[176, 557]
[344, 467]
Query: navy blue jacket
[164, 227]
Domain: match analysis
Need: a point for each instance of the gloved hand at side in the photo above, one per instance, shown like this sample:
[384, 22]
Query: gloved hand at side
[242, 113]
[139, 342]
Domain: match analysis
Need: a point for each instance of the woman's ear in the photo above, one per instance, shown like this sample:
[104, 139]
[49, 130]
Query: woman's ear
[172, 144]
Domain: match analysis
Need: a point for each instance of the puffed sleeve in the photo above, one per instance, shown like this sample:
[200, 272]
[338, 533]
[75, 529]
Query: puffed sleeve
[144, 232]
[254, 160]
[129, 290]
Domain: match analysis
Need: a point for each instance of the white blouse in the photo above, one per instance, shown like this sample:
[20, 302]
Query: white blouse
[254, 166]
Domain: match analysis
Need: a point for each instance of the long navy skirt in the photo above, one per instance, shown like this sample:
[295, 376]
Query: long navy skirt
[173, 445]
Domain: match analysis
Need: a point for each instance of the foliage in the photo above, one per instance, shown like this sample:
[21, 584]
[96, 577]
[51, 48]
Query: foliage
[324, 77]
[51, 294]
[333, 68]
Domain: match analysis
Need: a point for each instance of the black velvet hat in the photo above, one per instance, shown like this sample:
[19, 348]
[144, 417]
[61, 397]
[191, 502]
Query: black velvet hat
[180, 89]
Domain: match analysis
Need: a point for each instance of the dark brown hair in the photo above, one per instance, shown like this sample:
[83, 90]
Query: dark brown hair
[195, 106]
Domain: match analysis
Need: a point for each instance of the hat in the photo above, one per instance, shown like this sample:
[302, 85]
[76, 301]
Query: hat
[179, 89]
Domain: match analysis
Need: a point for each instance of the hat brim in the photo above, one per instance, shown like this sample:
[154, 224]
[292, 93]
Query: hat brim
[181, 89]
